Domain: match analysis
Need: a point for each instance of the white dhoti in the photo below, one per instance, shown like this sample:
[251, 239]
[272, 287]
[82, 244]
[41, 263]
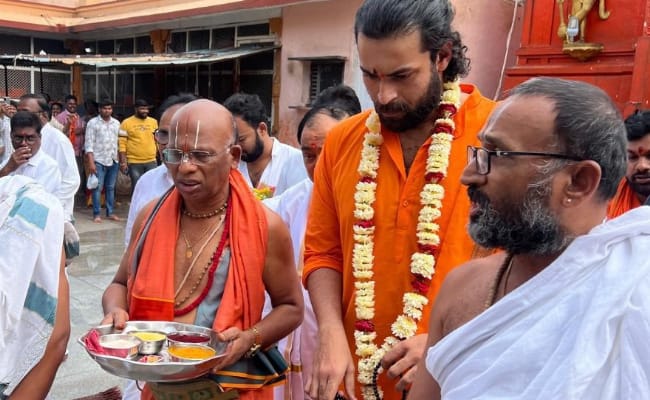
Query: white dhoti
[577, 330]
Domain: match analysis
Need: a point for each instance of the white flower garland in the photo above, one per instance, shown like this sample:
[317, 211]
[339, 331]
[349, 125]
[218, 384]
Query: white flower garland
[422, 261]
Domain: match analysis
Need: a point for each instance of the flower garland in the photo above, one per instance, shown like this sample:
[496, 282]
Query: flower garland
[422, 261]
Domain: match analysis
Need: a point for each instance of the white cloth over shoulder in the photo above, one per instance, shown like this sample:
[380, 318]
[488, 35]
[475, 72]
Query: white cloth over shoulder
[577, 330]
[31, 233]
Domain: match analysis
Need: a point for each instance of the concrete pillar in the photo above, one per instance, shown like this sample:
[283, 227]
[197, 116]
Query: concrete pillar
[76, 82]
[275, 25]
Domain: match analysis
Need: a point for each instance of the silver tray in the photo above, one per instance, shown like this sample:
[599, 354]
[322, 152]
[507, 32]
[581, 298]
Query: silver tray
[167, 371]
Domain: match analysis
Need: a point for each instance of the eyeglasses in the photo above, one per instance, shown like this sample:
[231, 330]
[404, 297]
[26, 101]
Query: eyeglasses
[482, 157]
[161, 136]
[29, 139]
[196, 157]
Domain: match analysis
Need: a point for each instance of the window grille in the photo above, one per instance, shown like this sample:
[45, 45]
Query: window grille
[55, 83]
[324, 74]
[20, 82]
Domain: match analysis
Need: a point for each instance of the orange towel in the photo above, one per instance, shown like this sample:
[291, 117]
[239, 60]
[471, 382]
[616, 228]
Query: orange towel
[72, 135]
[624, 200]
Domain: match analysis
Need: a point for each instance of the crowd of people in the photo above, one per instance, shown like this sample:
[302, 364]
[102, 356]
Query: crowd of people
[449, 246]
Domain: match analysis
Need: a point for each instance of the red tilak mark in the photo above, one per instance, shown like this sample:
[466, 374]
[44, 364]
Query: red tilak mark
[185, 146]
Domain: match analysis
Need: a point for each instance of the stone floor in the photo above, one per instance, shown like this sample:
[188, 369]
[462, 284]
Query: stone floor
[102, 245]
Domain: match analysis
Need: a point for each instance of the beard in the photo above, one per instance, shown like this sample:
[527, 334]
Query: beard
[641, 188]
[257, 151]
[527, 228]
[413, 116]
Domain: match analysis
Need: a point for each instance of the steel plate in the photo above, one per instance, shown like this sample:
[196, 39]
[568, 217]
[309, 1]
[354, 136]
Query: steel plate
[167, 371]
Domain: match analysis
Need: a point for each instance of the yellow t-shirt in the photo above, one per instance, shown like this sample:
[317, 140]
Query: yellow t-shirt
[136, 139]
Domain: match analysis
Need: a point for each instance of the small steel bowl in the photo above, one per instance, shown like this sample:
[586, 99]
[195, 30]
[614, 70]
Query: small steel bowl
[176, 352]
[150, 345]
[120, 345]
[187, 337]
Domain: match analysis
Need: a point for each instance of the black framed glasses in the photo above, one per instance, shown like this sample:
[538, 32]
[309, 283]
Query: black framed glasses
[29, 139]
[196, 157]
[482, 157]
[161, 136]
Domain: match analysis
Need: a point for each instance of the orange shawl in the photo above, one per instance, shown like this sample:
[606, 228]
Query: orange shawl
[151, 289]
[624, 200]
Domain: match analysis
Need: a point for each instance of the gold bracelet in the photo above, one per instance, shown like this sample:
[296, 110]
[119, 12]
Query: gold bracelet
[257, 343]
[258, 335]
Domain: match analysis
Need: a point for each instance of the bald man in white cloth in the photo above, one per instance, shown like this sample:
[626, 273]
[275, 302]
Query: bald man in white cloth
[564, 312]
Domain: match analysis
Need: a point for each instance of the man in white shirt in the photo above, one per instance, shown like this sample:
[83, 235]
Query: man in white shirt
[56, 145]
[27, 159]
[100, 147]
[269, 166]
[5, 134]
[154, 183]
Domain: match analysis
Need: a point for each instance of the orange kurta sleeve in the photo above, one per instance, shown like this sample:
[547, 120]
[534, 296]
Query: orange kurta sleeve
[329, 240]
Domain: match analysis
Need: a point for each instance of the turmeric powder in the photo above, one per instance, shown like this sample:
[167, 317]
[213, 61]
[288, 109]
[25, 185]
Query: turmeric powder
[192, 352]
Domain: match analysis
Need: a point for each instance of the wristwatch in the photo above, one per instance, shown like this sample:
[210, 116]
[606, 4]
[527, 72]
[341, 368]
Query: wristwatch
[257, 343]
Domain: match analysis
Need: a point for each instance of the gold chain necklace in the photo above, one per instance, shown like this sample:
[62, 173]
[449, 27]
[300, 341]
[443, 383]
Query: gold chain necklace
[188, 245]
[189, 269]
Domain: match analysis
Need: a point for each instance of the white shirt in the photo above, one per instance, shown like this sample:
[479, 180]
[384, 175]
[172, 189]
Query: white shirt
[5, 140]
[151, 185]
[101, 140]
[43, 169]
[293, 207]
[285, 169]
[55, 123]
[57, 145]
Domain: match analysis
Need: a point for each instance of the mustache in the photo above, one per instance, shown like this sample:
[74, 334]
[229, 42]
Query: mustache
[396, 106]
[642, 176]
[475, 196]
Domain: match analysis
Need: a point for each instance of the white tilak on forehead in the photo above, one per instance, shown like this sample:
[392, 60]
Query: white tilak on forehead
[196, 138]
[176, 137]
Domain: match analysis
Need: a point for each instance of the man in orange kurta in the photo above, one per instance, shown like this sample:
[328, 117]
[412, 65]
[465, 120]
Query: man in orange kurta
[407, 49]
[634, 189]
[329, 239]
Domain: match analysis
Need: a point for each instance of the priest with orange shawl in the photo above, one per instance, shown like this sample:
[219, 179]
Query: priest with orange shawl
[634, 189]
[206, 251]
[388, 213]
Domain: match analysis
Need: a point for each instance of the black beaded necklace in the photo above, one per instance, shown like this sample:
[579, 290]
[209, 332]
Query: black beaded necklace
[208, 214]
